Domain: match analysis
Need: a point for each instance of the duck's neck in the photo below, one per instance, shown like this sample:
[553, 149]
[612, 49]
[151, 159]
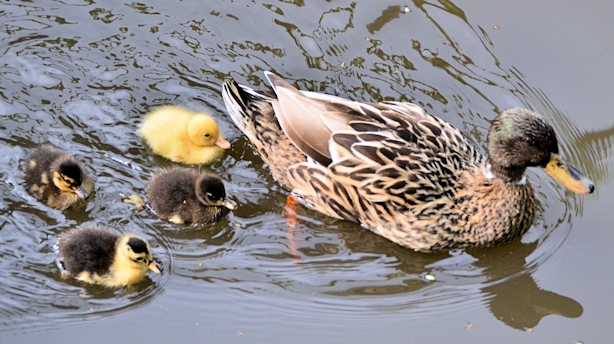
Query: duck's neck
[511, 176]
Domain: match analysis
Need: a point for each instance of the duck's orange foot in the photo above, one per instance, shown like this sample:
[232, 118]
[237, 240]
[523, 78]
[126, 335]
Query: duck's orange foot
[290, 210]
[290, 213]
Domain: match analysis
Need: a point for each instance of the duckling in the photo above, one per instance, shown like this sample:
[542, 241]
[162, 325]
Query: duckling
[184, 196]
[57, 178]
[98, 255]
[183, 136]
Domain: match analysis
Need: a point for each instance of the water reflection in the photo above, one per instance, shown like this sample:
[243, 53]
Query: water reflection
[521, 304]
[515, 298]
[499, 277]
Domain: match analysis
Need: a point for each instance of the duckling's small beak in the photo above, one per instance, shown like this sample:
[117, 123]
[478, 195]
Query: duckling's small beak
[230, 204]
[558, 169]
[81, 193]
[222, 143]
[155, 267]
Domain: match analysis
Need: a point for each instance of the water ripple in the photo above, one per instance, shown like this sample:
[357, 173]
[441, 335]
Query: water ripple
[81, 76]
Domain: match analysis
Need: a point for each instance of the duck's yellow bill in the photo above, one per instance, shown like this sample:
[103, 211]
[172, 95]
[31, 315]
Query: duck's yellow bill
[155, 267]
[568, 176]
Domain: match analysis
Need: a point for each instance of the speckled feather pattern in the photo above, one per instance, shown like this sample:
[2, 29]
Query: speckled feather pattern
[400, 172]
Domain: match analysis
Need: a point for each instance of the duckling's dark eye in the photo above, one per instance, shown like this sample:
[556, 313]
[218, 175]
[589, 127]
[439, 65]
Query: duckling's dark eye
[139, 259]
[560, 165]
[207, 135]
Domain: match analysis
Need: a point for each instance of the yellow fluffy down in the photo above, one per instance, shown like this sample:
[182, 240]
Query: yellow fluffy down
[182, 135]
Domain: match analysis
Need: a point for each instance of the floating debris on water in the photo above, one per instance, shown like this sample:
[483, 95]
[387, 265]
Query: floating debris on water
[134, 199]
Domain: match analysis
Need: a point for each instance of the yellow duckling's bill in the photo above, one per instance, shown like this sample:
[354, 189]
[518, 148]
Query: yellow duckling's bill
[221, 142]
[568, 176]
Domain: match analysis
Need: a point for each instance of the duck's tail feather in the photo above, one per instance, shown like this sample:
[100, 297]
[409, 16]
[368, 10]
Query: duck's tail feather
[253, 113]
[238, 99]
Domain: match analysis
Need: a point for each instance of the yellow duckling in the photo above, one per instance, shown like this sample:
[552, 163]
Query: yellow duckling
[183, 136]
[97, 255]
[57, 178]
[184, 196]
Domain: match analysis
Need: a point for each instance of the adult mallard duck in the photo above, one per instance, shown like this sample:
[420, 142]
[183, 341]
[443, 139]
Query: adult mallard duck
[57, 178]
[98, 255]
[398, 171]
[185, 196]
[182, 135]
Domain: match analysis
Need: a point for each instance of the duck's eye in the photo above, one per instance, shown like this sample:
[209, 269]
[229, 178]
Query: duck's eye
[560, 165]
[207, 135]
[139, 259]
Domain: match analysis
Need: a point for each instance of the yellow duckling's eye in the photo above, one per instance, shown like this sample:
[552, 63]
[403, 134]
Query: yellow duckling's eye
[207, 135]
[139, 259]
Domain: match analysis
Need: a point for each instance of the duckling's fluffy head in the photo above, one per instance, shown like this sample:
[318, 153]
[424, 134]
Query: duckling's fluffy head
[520, 138]
[203, 130]
[134, 252]
[210, 191]
[68, 177]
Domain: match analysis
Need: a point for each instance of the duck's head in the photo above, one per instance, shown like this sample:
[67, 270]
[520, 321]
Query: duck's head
[520, 138]
[134, 252]
[203, 131]
[68, 177]
[210, 191]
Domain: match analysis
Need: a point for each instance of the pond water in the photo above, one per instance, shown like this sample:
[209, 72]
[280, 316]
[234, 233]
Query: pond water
[81, 75]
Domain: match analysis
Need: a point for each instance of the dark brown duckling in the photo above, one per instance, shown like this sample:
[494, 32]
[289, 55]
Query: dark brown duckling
[98, 255]
[184, 196]
[56, 178]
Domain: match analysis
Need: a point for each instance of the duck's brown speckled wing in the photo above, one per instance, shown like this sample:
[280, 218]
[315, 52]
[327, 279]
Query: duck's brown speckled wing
[392, 156]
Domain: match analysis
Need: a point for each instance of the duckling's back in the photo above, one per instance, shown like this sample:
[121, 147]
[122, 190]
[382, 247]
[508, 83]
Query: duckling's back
[172, 195]
[38, 168]
[90, 248]
[165, 127]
